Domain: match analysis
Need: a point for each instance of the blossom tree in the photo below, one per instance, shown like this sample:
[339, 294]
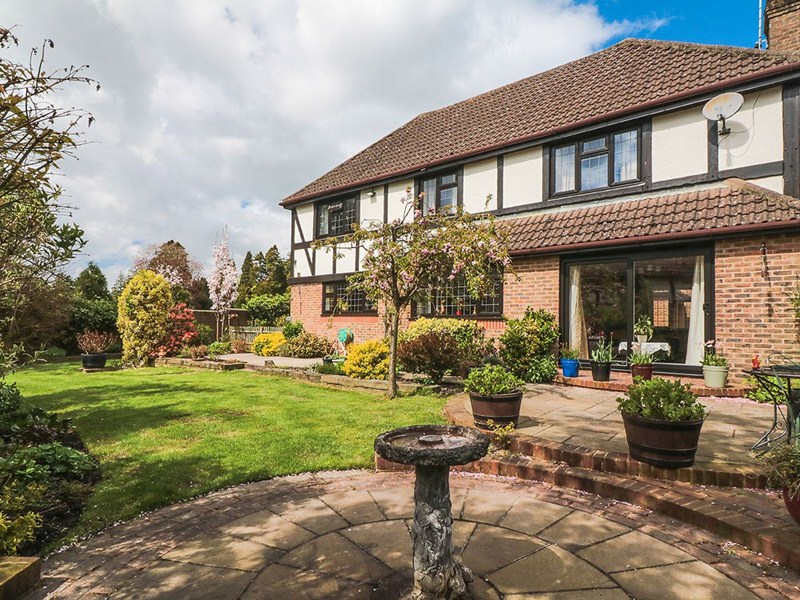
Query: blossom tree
[223, 281]
[406, 257]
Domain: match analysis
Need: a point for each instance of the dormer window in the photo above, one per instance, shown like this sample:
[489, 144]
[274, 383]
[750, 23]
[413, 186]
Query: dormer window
[336, 217]
[596, 162]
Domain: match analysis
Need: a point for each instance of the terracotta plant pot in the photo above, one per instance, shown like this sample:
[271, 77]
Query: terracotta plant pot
[715, 377]
[792, 505]
[94, 361]
[668, 444]
[643, 371]
[601, 371]
[502, 409]
[570, 367]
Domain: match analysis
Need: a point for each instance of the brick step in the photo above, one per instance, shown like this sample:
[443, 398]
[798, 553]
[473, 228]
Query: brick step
[752, 518]
[620, 382]
[717, 473]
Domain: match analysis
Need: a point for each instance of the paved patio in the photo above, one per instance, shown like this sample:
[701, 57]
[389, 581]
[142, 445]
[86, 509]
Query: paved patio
[346, 536]
[589, 418]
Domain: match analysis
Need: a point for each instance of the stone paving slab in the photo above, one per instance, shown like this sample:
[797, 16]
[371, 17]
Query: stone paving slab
[524, 540]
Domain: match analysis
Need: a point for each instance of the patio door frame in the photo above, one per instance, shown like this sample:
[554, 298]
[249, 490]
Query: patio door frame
[629, 257]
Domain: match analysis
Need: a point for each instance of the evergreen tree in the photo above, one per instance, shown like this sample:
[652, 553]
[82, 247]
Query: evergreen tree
[91, 283]
[247, 280]
[272, 272]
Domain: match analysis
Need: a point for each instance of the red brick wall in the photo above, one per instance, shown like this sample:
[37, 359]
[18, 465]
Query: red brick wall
[537, 286]
[783, 25]
[753, 312]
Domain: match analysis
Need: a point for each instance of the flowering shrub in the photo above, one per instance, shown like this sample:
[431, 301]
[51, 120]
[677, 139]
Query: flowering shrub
[435, 354]
[142, 316]
[95, 342]
[472, 347]
[267, 344]
[181, 330]
[367, 360]
[306, 345]
[239, 346]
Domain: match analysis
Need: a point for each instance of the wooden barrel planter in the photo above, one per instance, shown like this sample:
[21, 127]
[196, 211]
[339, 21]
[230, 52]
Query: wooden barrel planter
[667, 444]
[94, 361]
[501, 409]
[643, 371]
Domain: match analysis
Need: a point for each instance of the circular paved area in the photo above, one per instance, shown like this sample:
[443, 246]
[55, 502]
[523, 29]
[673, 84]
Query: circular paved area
[346, 536]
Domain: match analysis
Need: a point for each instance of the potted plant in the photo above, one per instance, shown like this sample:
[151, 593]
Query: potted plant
[641, 363]
[662, 422]
[783, 473]
[495, 394]
[602, 356]
[94, 346]
[570, 364]
[643, 329]
[715, 367]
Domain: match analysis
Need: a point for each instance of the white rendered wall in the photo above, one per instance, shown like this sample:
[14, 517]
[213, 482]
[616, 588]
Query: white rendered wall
[480, 180]
[302, 268]
[397, 191]
[346, 261]
[771, 183]
[305, 217]
[324, 261]
[756, 132]
[680, 144]
[522, 177]
[371, 208]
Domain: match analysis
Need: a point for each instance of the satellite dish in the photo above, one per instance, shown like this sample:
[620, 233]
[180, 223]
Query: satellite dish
[723, 107]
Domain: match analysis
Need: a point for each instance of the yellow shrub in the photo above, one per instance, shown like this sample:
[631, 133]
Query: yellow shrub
[367, 360]
[267, 344]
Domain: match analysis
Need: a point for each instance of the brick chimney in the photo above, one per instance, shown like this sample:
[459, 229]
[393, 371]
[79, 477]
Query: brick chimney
[782, 25]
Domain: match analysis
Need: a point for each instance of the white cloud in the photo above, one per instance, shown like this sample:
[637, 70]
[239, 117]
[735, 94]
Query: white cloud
[211, 112]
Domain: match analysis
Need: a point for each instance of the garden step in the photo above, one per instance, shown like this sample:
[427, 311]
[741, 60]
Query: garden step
[620, 382]
[719, 473]
[18, 574]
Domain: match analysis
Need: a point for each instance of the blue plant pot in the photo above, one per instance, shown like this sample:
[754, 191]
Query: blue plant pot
[570, 367]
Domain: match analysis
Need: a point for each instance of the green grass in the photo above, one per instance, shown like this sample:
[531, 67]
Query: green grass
[168, 434]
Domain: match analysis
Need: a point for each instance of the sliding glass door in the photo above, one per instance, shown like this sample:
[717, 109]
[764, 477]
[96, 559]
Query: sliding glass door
[605, 297]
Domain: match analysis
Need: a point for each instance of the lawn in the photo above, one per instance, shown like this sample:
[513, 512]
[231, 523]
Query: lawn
[168, 434]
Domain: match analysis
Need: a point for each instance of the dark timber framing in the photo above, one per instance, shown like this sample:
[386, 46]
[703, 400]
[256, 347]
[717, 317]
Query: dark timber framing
[500, 162]
[713, 150]
[791, 139]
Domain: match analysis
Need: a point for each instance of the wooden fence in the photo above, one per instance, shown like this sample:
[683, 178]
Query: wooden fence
[248, 332]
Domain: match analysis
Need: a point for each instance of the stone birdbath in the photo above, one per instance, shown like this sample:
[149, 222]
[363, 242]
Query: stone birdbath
[432, 449]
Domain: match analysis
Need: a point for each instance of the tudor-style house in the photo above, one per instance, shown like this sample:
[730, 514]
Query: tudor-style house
[622, 199]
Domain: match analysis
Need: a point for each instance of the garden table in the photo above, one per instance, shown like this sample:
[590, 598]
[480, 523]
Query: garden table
[781, 383]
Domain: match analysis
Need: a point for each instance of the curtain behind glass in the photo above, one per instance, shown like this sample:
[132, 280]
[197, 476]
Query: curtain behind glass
[695, 344]
[577, 323]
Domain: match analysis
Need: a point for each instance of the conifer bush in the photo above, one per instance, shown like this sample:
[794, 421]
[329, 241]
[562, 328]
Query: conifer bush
[142, 316]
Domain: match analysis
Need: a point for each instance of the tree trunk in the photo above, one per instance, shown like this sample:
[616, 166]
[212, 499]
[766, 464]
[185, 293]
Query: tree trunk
[394, 331]
[437, 573]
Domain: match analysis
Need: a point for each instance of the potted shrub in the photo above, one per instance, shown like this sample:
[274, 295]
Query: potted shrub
[602, 356]
[783, 473]
[643, 329]
[570, 365]
[662, 422]
[641, 363]
[495, 394]
[715, 367]
[94, 346]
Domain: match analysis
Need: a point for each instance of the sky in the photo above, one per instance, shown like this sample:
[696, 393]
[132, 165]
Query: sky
[211, 112]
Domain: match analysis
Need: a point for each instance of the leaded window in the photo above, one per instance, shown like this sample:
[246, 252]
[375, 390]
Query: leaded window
[337, 298]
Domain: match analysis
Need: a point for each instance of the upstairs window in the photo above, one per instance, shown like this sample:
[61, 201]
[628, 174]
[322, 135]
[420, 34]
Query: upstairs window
[337, 299]
[439, 193]
[595, 163]
[336, 217]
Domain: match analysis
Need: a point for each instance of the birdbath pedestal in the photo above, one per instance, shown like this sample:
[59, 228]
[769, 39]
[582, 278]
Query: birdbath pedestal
[432, 449]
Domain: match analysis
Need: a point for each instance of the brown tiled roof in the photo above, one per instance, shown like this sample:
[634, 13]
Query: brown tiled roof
[734, 206]
[624, 78]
